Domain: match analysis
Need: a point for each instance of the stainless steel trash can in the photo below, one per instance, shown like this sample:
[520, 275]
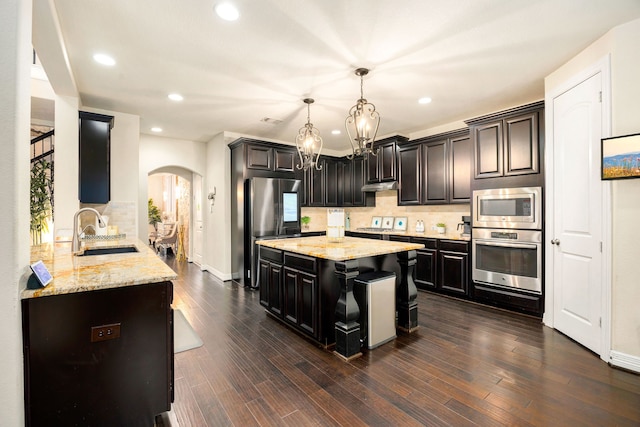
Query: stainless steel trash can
[375, 293]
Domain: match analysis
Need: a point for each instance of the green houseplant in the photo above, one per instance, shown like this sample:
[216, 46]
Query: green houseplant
[305, 220]
[442, 227]
[154, 214]
[41, 193]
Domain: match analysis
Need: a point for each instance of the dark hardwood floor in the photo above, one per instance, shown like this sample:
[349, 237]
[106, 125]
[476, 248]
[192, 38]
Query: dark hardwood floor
[466, 365]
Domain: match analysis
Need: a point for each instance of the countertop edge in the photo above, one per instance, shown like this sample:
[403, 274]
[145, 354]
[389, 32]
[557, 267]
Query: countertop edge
[72, 274]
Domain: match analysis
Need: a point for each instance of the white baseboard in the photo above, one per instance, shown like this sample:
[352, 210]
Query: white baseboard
[218, 274]
[626, 361]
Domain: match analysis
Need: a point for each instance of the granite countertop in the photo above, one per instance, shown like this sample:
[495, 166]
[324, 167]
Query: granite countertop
[430, 234]
[350, 248]
[88, 273]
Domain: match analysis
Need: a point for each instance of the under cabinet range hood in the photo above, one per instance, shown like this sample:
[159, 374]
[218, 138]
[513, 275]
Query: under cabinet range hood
[380, 186]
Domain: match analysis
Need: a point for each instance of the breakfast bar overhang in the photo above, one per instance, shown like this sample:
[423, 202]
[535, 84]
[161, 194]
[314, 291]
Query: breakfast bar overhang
[307, 282]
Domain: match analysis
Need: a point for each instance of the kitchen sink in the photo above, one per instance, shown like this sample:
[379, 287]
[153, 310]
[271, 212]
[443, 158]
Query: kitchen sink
[108, 251]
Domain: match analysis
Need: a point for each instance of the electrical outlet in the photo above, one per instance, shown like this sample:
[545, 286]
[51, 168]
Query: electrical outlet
[105, 332]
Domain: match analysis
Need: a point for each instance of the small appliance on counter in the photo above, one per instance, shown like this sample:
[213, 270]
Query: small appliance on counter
[465, 226]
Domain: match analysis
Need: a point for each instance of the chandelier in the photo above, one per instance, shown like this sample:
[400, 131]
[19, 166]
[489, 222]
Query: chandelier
[307, 141]
[362, 123]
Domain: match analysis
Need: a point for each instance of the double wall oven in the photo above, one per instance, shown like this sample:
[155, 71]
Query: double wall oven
[507, 238]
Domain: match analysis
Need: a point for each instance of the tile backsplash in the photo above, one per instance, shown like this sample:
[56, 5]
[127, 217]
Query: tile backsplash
[387, 205]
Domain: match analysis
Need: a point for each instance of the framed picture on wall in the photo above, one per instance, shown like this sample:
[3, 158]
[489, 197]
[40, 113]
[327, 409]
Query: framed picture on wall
[621, 157]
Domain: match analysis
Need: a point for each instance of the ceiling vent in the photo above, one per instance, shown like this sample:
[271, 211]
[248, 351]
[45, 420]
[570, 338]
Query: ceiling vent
[270, 121]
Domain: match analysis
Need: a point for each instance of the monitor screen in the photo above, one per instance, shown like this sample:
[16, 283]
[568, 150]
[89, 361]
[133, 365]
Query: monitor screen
[290, 207]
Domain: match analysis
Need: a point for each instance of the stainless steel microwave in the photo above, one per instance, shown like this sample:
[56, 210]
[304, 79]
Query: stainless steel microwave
[519, 208]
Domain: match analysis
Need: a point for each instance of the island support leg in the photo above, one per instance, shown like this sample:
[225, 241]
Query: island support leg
[407, 293]
[347, 312]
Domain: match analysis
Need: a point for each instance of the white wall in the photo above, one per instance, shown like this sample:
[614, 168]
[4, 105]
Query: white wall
[158, 153]
[65, 178]
[217, 232]
[15, 45]
[621, 43]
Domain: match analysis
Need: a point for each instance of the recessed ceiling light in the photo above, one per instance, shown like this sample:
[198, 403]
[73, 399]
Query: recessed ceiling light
[156, 129]
[336, 132]
[227, 11]
[104, 59]
[175, 97]
[425, 100]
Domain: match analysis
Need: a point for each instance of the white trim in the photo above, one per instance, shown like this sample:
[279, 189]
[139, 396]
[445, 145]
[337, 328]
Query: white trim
[216, 273]
[626, 361]
[602, 66]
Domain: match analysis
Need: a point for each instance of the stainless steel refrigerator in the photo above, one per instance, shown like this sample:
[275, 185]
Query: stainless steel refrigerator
[272, 211]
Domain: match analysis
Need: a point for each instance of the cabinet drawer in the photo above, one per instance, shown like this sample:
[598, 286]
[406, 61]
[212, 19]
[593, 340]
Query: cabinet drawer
[428, 243]
[396, 238]
[270, 254]
[300, 262]
[454, 246]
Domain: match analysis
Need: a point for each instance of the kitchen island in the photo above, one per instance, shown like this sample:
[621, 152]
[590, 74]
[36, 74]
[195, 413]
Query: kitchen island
[308, 283]
[98, 340]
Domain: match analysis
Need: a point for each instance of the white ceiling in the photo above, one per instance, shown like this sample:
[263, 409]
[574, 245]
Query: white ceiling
[472, 57]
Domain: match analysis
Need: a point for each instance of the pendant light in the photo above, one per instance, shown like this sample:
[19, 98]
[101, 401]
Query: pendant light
[362, 123]
[308, 142]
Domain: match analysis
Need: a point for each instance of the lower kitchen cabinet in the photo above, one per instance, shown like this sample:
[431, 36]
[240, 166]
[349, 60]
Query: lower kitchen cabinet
[426, 264]
[454, 267]
[289, 288]
[509, 299]
[98, 358]
[442, 265]
[270, 279]
[300, 307]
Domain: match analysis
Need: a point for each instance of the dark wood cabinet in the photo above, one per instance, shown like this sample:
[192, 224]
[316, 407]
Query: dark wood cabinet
[352, 179]
[270, 279]
[316, 185]
[435, 170]
[460, 156]
[332, 182]
[346, 179]
[300, 300]
[74, 377]
[94, 184]
[435, 187]
[409, 173]
[289, 288]
[426, 264]
[382, 166]
[270, 158]
[508, 144]
[454, 266]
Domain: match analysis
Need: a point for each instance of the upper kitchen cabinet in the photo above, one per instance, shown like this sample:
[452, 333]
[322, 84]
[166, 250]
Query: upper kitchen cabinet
[382, 166]
[270, 158]
[508, 145]
[352, 178]
[95, 158]
[435, 170]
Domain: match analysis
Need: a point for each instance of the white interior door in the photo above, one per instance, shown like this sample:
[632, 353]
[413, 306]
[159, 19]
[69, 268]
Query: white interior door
[198, 238]
[577, 213]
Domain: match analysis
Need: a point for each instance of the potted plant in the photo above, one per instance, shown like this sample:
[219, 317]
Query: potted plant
[305, 220]
[442, 227]
[40, 207]
[154, 214]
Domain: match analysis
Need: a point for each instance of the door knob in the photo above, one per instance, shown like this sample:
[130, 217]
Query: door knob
[555, 242]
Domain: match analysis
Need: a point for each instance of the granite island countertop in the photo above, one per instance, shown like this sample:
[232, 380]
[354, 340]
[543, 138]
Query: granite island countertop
[88, 273]
[350, 248]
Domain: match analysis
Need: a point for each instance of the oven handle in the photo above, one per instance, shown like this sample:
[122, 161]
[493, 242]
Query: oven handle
[508, 245]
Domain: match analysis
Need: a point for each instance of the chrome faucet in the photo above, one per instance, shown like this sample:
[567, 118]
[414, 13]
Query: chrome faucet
[75, 241]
